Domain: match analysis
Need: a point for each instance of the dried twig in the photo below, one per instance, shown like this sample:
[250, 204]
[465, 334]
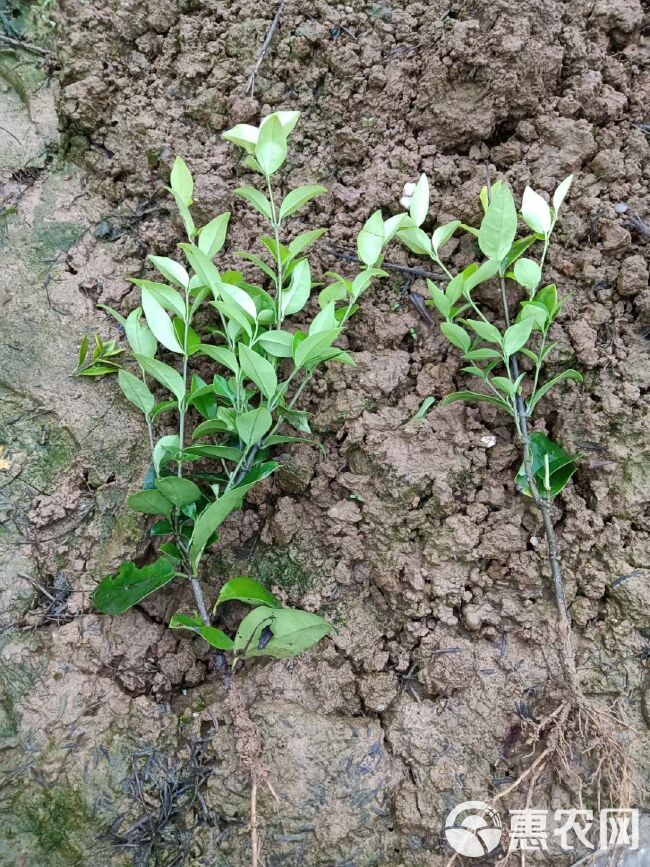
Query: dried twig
[346, 256]
[250, 84]
[26, 46]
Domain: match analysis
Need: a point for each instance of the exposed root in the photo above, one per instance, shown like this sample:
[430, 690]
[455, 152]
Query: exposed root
[249, 752]
[576, 732]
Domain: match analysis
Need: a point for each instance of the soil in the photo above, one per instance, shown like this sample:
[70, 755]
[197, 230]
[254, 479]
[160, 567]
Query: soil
[408, 534]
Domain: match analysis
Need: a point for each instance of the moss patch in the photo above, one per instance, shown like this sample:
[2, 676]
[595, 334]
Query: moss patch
[283, 566]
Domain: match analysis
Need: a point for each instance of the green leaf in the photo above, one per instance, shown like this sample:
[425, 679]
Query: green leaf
[180, 491]
[204, 267]
[455, 288]
[243, 254]
[164, 295]
[517, 336]
[518, 249]
[548, 297]
[258, 370]
[246, 590]
[482, 354]
[98, 369]
[537, 312]
[561, 466]
[276, 440]
[136, 391]
[370, 239]
[212, 236]
[302, 241]
[416, 240]
[456, 335]
[288, 119]
[165, 450]
[159, 322]
[277, 343]
[211, 519]
[171, 270]
[442, 303]
[164, 374]
[504, 385]
[139, 335]
[485, 330]
[499, 225]
[561, 193]
[244, 135]
[485, 271]
[181, 181]
[150, 503]
[248, 635]
[536, 212]
[186, 216]
[476, 397]
[528, 274]
[219, 354]
[118, 593]
[271, 147]
[419, 206]
[393, 224]
[215, 637]
[256, 199]
[296, 296]
[210, 427]
[298, 419]
[442, 234]
[219, 453]
[83, 351]
[311, 347]
[291, 632]
[424, 408]
[297, 198]
[116, 316]
[252, 425]
[542, 390]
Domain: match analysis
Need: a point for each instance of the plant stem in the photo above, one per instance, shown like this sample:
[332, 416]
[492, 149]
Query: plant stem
[198, 598]
[194, 581]
[278, 258]
[544, 505]
[182, 405]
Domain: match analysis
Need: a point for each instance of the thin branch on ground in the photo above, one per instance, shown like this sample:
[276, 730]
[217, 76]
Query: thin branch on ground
[250, 84]
[26, 46]
[347, 256]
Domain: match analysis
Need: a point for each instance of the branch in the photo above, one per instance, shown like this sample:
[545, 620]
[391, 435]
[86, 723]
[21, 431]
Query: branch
[250, 84]
[346, 256]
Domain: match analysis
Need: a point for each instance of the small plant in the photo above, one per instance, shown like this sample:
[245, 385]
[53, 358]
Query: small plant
[492, 346]
[506, 352]
[221, 425]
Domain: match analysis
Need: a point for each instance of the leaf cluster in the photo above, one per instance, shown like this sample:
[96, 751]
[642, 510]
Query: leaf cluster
[195, 317]
[489, 348]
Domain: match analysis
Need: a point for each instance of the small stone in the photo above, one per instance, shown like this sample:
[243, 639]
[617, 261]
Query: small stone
[633, 277]
[489, 441]
[345, 510]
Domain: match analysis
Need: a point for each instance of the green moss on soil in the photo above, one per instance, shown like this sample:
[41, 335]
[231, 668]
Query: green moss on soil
[272, 565]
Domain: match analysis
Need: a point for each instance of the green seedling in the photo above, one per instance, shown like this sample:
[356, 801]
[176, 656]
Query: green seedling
[232, 366]
[504, 354]
[102, 358]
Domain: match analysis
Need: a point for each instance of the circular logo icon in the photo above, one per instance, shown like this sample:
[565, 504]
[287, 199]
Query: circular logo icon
[476, 834]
